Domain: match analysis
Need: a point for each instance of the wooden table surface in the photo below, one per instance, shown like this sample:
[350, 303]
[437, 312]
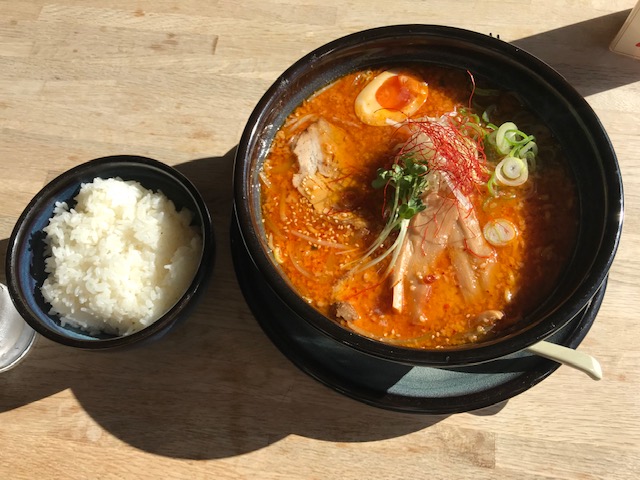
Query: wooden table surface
[176, 80]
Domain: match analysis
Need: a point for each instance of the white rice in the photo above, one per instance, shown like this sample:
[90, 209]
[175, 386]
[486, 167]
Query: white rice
[119, 259]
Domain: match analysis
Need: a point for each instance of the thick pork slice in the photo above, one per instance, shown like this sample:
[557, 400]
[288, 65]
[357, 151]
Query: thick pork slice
[317, 165]
[447, 224]
[427, 238]
[471, 256]
[324, 162]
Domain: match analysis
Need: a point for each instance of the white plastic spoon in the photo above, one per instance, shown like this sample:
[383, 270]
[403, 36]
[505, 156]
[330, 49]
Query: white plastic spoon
[568, 356]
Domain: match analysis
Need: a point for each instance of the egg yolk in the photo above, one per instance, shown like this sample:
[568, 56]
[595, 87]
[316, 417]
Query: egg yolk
[395, 93]
[390, 97]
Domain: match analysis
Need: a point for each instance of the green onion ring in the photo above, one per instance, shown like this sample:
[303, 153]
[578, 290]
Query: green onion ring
[512, 171]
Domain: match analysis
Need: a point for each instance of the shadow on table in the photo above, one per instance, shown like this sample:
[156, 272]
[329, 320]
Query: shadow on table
[215, 387]
[580, 52]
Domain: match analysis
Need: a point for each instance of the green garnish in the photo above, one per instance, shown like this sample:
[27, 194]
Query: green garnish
[514, 149]
[408, 181]
[407, 178]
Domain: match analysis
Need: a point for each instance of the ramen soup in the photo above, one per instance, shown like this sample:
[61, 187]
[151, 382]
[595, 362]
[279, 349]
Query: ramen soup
[417, 207]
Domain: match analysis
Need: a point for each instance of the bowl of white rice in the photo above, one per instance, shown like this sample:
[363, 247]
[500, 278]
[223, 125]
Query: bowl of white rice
[112, 252]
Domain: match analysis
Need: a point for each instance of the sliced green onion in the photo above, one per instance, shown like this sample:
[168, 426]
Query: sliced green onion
[473, 116]
[512, 171]
[474, 128]
[499, 232]
[505, 134]
[491, 185]
[487, 92]
[491, 138]
[519, 139]
[530, 149]
[486, 115]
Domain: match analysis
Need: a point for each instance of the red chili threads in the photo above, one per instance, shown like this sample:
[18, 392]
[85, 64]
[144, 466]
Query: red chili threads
[446, 148]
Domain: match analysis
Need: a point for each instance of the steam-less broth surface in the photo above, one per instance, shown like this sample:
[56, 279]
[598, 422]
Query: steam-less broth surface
[488, 233]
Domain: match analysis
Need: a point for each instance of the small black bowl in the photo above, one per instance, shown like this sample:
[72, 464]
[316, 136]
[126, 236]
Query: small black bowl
[26, 251]
[544, 91]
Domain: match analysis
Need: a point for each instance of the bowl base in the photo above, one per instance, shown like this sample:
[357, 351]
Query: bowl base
[390, 385]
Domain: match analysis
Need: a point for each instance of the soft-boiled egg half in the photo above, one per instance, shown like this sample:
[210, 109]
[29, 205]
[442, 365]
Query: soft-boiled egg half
[390, 97]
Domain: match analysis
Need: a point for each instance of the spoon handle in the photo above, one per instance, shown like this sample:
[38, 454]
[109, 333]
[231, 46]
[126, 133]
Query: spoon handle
[568, 356]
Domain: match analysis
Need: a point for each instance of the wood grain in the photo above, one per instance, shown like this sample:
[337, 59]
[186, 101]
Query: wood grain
[177, 80]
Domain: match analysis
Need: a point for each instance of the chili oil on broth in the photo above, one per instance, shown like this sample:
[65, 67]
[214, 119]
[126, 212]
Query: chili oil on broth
[317, 252]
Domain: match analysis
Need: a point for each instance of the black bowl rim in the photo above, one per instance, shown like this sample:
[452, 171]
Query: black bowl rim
[196, 287]
[445, 357]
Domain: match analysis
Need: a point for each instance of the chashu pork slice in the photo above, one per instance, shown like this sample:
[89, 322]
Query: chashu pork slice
[324, 160]
[448, 225]
[471, 256]
[426, 240]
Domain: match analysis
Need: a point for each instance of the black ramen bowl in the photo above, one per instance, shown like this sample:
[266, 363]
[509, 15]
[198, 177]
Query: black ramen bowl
[546, 93]
[25, 264]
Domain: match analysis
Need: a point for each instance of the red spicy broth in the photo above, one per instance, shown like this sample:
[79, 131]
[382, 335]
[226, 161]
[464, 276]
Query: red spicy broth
[453, 289]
